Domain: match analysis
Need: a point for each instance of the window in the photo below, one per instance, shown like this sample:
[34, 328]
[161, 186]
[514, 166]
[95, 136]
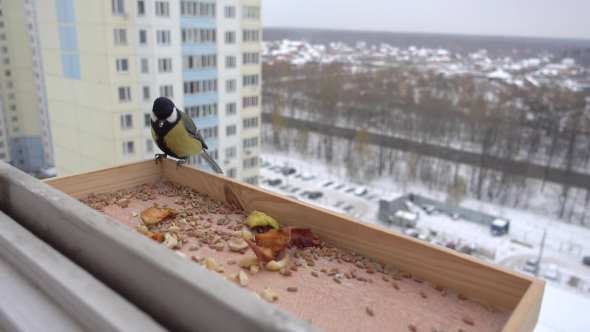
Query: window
[149, 146]
[251, 35]
[231, 173]
[230, 37]
[230, 109]
[230, 12]
[4, 49]
[118, 6]
[126, 121]
[250, 143]
[166, 91]
[16, 129]
[252, 180]
[140, 7]
[142, 37]
[146, 93]
[14, 119]
[13, 107]
[165, 65]
[11, 96]
[230, 152]
[230, 61]
[7, 73]
[197, 87]
[250, 80]
[128, 148]
[124, 93]
[191, 36]
[163, 37]
[250, 59]
[252, 12]
[120, 37]
[230, 86]
[145, 68]
[251, 122]
[250, 162]
[162, 8]
[147, 119]
[194, 8]
[9, 85]
[199, 61]
[202, 111]
[2, 37]
[230, 130]
[210, 132]
[122, 66]
[6, 61]
[250, 101]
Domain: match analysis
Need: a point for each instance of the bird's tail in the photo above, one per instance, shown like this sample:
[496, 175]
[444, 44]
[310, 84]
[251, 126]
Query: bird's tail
[211, 162]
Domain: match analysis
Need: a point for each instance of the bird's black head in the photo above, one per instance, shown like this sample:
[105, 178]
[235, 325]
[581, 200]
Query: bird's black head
[163, 108]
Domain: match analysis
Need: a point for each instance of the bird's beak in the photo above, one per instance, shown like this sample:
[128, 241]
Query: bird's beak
[160, 123]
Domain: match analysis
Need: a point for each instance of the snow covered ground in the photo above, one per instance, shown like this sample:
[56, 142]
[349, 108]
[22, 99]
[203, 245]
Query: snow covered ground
[564, 306]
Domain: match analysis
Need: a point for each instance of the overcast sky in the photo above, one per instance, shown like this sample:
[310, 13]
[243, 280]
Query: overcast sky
[536, 18]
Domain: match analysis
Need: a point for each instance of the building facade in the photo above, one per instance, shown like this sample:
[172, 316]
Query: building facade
[106, 61]
[25, 136]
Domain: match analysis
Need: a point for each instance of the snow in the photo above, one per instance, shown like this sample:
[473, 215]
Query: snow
[406, 215]
[499, 222]
[563, 307]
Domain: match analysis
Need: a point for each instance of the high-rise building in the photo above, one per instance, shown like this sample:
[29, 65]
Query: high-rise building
[106, 61]
[25, 138]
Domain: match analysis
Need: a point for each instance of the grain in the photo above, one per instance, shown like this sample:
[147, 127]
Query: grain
[370, 311]
[412, 327]
[461, 297]
[395, 285]
[468, 320]
[315, 274]
[292, 289]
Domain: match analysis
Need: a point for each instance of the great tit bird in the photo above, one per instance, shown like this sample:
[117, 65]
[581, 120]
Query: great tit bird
[176, 134]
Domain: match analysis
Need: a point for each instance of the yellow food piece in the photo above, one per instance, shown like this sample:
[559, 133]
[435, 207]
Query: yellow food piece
[260, 219]
[155, 214]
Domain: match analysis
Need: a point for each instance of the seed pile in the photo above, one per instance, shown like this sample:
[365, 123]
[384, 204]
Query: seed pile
[210, 233]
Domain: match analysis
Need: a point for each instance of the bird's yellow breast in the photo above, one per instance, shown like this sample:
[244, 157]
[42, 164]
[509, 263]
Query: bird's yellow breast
[179, 141]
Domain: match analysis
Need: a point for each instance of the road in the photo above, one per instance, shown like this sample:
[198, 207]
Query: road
[570, 178]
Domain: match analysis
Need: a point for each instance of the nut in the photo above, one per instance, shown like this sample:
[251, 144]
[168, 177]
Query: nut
[248, 261]
[237, 244]
[268, 294]
[212, 265]
[275, 266]
[254, 269]
[170, 241]
[142, 229]
[243, 278]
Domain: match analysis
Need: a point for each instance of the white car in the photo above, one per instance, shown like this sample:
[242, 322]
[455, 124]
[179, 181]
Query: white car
[360, 191]
[551, 272]
[530, 265]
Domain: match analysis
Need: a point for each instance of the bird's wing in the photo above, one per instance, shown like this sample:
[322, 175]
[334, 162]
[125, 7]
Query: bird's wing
[190, 126]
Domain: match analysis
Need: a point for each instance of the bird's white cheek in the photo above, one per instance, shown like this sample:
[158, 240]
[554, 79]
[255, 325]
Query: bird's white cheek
[154, 118]
[172, 118]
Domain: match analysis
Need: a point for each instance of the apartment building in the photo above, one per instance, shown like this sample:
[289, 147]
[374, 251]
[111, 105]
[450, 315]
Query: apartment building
[25, 136]
[106, 61]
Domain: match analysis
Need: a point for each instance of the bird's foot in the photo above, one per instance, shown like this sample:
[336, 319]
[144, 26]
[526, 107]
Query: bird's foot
[180, 162]
[159, 157]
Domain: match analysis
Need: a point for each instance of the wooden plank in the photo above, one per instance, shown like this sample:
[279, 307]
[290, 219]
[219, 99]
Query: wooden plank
[44, 278]
[106, 180]
[173, 290]
[526, 314]
[471, 276]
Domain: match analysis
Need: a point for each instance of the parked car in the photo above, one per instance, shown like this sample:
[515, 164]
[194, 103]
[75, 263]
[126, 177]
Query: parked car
[530, 265]
[294, 190]
[315, 195]
[586, 260]
[265, 164]
[429, 209]
[451, 245]
[348, 208]
[276, 169]
[350, 189]
[274, 182]
[340, 186]
[551, 272]
[360, 191]
[307, 177]
[412, 232]
[289, 170]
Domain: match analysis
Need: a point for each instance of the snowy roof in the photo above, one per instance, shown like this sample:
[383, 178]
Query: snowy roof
[500, 74]
[406, 215]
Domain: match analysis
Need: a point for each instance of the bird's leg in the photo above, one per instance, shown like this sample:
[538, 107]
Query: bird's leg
[159, 157]
[180, 162]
